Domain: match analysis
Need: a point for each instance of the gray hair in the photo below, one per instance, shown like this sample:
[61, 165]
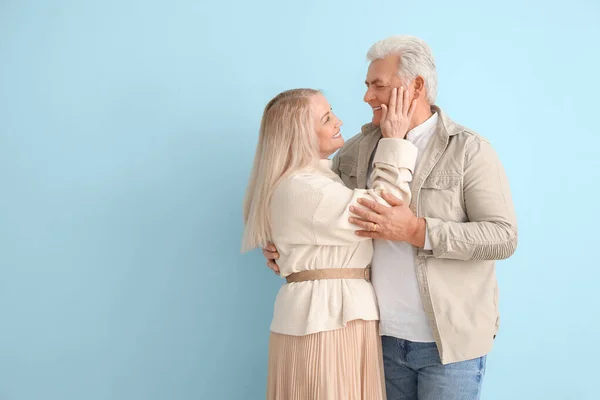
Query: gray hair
[416, 59]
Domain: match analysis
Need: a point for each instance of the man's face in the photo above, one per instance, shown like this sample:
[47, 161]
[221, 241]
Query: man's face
[382, 76]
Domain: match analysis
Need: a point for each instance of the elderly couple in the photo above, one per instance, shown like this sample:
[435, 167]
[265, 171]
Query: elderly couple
[389, 249]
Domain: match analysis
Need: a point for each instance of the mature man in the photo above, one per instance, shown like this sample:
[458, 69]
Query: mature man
[434, 263]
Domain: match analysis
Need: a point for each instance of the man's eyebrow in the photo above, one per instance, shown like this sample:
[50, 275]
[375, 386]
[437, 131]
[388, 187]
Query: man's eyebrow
[374, 81]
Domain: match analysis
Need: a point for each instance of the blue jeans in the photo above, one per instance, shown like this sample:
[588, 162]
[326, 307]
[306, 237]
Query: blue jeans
[413, 371]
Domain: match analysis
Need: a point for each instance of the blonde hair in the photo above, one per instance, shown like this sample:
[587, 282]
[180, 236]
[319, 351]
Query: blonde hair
[286, 143]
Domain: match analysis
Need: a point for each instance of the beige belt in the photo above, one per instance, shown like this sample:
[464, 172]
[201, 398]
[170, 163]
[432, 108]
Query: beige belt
[330, 273]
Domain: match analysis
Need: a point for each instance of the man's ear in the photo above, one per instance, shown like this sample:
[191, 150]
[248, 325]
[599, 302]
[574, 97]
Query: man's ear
[419, 87]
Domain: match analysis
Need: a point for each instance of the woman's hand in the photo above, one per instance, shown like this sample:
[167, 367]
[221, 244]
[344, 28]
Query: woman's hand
[396, 117]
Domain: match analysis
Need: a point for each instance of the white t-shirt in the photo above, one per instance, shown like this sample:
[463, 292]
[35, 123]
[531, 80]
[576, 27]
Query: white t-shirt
[401, 311]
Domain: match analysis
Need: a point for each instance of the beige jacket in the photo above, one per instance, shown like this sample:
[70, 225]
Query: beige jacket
[461, 189]
[309, 214]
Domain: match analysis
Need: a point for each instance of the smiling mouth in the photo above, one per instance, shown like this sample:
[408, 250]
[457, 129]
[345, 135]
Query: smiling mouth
[376, 108]
[337, 135]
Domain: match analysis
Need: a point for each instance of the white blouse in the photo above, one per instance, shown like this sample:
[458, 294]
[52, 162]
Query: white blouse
[309, 220]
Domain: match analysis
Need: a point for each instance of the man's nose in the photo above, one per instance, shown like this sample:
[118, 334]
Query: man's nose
[368, 95]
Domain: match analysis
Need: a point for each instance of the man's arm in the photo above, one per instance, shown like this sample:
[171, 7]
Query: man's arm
[490, 234]
[271, 254]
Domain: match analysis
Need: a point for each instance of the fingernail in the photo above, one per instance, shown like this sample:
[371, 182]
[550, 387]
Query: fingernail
[359, 201]
[351, 208]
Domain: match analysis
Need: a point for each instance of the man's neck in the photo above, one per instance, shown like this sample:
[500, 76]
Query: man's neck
[421, 115]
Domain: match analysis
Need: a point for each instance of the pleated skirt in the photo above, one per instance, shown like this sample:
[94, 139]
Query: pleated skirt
[344, 364]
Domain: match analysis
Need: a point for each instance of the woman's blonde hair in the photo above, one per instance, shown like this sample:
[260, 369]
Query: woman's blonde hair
[286, 143]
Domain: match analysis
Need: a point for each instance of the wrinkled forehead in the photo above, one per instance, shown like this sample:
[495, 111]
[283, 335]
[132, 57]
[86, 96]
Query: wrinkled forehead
[383, 69]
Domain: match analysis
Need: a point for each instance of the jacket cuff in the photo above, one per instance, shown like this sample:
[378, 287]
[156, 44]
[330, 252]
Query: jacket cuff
[427, 245]
[397, 152]
[435, 243]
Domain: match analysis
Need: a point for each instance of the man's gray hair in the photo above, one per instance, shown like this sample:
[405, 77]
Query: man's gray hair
[416, 59]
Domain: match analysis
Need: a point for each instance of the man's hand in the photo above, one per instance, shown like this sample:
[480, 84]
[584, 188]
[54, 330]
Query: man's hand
[271, 254]
[397, 223]
[396, 117]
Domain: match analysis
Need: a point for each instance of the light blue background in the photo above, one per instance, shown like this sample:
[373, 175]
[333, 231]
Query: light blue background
[127, 131]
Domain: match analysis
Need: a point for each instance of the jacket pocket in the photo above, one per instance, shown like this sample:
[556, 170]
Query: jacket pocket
[440, 196]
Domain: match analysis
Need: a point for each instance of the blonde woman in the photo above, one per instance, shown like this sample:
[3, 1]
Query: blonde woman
[324, 340]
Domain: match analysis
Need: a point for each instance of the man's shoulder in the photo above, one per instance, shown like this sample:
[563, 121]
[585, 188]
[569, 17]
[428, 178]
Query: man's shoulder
[350, 148]
[470, 136]
[466, 141]
[462, 135]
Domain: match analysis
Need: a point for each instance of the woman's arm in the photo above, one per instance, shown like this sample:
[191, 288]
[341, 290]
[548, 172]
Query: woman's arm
[314, 209]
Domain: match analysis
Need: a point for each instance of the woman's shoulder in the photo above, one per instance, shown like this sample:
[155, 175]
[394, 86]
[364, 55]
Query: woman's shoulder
[306, 189]
[297, 193]
[305, 180]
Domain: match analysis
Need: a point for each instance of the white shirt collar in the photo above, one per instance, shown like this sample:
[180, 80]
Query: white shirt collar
[427, 126]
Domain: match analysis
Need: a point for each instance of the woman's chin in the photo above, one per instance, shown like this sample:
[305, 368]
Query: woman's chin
[335, 146]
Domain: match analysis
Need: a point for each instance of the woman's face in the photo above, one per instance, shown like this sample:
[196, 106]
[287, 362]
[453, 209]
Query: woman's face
[327, 126]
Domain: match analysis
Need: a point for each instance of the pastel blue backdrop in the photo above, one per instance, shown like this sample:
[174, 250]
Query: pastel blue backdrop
[127, 131]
